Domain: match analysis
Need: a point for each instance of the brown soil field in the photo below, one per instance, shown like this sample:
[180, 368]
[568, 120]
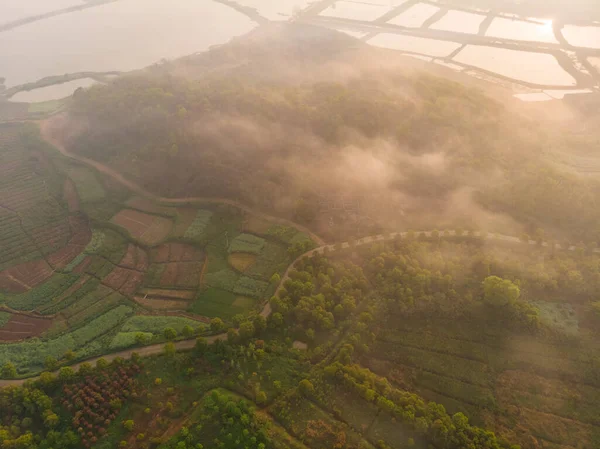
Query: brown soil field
[256, 225]
[174, 294]
[135, 258]
[80, 237]
[241, 261]
[70, 195]
[123, 280]
[148, 229]
[22, 277]
[20, 327]
[162, 303]
[176, 252]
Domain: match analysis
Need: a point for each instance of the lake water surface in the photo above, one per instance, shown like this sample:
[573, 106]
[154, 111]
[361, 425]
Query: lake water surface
[12, 10]
[125, 35]
[54, 92]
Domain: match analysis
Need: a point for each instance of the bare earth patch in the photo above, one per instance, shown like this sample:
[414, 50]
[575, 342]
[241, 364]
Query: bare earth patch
[242, 261]
[148, 229]
[20, 327]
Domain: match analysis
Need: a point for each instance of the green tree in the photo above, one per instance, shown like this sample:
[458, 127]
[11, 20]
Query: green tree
[141, 339]
[66, 373]
[500, 292]
[217, 325]
[9, 371]
[170, 349]
[247, 330]
[128, 425]
[306, 387]
[260, 323]
[69, 355]
[101, 363]
[85, 368]
[275, 279]
[201, 345]
[170, 333]
[276, 320]
[187, 331]
[50, 363]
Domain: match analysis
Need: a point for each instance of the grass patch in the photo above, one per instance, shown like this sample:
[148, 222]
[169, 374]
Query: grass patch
[125, 340]
[196, 231]
[157, 324]
[87, 185]
[247, 286]
[214, 302]
[4, 317]
[247, 243]
[224, 279]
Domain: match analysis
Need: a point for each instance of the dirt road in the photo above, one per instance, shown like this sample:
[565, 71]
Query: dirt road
[47, 128]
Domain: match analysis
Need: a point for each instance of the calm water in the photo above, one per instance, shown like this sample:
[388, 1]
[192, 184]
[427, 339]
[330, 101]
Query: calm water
[54, 92]
[427, 46]
[459, 21]
[582, 36]
[523, 31]
[539, 68]
[414, 16]
[11, 10]
[125, 35]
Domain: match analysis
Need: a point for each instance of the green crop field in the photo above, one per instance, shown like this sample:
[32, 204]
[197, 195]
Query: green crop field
[65, 258]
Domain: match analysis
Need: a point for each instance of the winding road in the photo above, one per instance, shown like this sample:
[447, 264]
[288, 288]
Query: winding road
[47, 128]
[266, 311]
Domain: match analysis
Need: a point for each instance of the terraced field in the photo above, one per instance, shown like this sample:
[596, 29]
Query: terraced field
[80, 259]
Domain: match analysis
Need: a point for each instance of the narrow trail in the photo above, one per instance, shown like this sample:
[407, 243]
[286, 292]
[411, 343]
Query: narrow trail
[46, 128]
[266, 310]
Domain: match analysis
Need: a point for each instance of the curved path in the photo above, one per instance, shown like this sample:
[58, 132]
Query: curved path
[47, 128]
[266, 310]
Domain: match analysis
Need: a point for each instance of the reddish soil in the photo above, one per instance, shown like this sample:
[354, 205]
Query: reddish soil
[177, 250]
[80, 237]
[161, 254]
[135, 258]
[70, 195]
[149, 229]
[117, 278]
[52, 236]
[132, 284]
[182, 264]
[20, 278]
[129, 257]
[124, 281]
[20, 327]
[142, 260]
[169, 275]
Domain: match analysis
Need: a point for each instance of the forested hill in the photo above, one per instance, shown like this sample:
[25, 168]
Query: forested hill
[293, 118]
